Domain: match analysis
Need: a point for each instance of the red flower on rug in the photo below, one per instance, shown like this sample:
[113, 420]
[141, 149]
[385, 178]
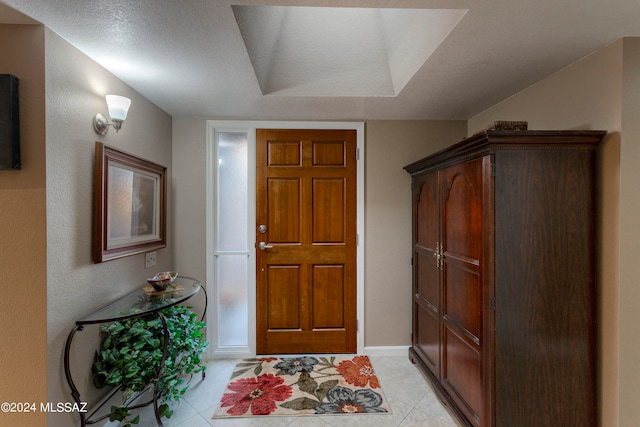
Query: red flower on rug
[358, 372]
[259, 393]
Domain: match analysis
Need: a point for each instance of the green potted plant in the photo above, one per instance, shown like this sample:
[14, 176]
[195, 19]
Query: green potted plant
[131, 352]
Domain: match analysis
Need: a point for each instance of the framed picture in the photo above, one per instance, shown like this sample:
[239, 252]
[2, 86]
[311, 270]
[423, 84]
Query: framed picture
[130, 210]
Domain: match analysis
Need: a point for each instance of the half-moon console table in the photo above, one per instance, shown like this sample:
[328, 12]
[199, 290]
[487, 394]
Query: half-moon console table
[136, 304]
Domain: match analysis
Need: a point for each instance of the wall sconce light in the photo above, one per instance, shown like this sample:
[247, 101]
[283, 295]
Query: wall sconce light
[118, 108]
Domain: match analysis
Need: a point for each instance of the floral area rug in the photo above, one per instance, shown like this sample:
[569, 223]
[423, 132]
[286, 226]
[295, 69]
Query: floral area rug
[307, 385]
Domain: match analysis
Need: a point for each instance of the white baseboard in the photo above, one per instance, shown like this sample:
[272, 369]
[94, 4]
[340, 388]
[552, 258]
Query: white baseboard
[230, 353]
[381, 351]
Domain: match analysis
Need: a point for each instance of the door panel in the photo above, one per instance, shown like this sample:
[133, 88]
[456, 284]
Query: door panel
[463, 300]
[284, 210]
[427, 338]
[329, 210]
[461, 287]
[328, 304]
[306, 277]
[283, 297]
[284, 153]
[464, 372]
[426, 334]
[462, 203]
[329, 153]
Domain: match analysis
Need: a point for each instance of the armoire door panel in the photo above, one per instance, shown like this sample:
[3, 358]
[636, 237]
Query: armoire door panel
[427, 278]
[462, 210]
[463, 300]
[427, 340]
[462, 373]
[427, 207]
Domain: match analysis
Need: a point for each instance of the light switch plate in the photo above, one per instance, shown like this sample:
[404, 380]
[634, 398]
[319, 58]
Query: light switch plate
[149, 259]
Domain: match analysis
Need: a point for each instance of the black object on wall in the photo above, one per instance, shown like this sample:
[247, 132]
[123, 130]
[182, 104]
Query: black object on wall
[9, 123]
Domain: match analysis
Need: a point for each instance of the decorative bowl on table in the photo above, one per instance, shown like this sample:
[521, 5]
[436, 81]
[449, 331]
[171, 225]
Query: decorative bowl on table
[161, 281]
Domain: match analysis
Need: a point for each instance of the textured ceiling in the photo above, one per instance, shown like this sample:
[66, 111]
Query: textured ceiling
[240, 59]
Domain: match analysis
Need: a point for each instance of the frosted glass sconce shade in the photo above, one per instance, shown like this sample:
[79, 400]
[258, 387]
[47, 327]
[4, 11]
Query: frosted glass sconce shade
[118, 109]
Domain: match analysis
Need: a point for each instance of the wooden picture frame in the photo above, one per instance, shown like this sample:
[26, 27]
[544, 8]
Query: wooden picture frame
[130, 205]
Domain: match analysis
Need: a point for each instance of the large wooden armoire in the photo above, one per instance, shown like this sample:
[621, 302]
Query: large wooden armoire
[504, 275]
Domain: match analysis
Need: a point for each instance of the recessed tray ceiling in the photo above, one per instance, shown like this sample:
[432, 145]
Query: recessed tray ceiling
[356, 52]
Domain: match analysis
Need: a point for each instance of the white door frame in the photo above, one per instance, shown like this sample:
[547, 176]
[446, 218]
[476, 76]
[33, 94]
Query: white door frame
[214, 126]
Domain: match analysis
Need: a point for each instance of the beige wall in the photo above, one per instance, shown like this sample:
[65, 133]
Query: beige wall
[189, 176]
[46, 216]
[75, 89]
[589, 95]
[23, 336]
[629, 248]
[389, 146]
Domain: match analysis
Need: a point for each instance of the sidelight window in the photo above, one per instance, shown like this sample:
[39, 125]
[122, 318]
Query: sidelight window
[231, 247]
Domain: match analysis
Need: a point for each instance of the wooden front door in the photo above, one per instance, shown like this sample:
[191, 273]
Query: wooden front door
[306, 224]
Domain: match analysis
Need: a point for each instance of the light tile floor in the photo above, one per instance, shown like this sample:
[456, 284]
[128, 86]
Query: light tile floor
[412, 401]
